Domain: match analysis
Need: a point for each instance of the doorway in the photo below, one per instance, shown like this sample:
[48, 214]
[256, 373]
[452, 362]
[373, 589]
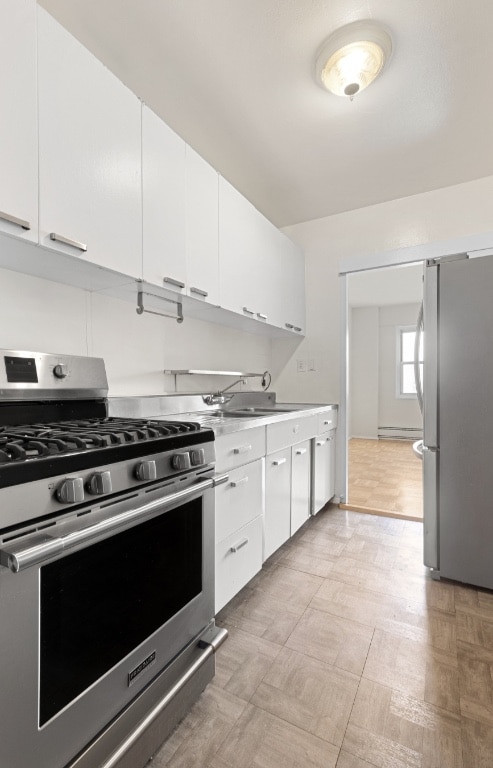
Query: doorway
[384, 419]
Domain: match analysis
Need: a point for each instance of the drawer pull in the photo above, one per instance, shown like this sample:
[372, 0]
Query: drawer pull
[326, 423]
[297, 328]
[172, 281]
[278, 462]
[199, 292]
[300, 451]
[68, 241]
[248, 311]
[240, 544]
[14, 220]
[320, 442]
[289, 325]
[242, 449]
[261, 316]
[242, 481]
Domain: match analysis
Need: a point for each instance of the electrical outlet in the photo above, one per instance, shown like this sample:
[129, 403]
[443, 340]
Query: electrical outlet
[301, 366]
[311, 365]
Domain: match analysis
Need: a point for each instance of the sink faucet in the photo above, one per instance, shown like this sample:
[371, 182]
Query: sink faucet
[219, 398]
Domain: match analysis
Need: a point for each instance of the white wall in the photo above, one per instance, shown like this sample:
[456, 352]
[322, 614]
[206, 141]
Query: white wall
[394, 411]
[364, 372]
[461, 210]
[44, 316]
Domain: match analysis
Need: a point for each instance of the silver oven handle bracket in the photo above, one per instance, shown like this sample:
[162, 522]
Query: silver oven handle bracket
[41, 547]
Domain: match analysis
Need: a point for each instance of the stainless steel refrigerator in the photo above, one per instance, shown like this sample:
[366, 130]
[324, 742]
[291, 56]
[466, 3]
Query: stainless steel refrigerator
[458, 418]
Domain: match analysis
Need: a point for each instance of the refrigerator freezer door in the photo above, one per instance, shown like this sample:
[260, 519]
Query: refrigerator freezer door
[465, 421]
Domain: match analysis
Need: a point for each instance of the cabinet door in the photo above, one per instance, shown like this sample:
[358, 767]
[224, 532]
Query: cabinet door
[238, 268]
[18, 127]
[202, 228]
[239, 500]
[238, 559]
[323, 485]
[269, 295]
[300, 485]
[292, 285]
[164, 192]
[277, 522]
[89, 155]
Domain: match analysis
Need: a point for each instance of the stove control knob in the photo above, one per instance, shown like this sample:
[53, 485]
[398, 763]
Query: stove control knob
[197, 457]
[60, 371]
[100, 483]
[181, 461]
[146, 470]
[71, 490]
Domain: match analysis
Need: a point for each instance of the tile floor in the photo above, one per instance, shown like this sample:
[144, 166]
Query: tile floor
[385, 476]
[343, 653]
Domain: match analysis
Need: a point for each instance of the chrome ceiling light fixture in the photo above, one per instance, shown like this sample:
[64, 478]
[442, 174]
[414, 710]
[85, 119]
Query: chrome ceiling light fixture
[352, 57]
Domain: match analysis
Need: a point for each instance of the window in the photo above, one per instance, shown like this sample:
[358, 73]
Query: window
[406, 337]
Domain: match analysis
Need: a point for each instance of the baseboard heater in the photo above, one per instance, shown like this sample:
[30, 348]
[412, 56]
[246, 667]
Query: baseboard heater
[400, 433]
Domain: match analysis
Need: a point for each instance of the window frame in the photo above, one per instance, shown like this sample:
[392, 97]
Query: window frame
[399, 367]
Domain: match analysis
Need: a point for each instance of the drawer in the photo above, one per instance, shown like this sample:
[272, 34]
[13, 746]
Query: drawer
[286, 433]
[239, 448]
[241, 499]
[326, 421]
[238, 559]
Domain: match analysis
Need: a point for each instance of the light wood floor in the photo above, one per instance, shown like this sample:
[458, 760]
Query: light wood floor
[343, 653]
[385, 476]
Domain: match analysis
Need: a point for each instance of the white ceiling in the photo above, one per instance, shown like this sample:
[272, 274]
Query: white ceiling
[235, 79]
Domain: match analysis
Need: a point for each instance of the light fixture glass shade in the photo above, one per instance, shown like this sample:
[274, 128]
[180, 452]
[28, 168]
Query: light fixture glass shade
[352, 57]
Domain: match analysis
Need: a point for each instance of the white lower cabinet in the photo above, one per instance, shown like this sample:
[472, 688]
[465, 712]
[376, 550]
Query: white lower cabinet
[277, 522]
[323, 470]
[239, 513]
[300, 484]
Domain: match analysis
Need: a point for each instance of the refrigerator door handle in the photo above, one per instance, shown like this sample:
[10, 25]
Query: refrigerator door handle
[417, 370]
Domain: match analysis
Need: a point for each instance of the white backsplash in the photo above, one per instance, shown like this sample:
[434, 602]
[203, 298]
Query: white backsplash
[44, 316]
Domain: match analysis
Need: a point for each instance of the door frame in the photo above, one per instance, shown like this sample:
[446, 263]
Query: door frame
[474, 245]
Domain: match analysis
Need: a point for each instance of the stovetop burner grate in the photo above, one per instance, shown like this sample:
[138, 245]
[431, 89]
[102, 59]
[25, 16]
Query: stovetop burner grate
[34, 441]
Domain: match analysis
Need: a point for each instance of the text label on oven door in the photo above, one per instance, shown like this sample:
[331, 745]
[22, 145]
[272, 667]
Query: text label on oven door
[141, 668]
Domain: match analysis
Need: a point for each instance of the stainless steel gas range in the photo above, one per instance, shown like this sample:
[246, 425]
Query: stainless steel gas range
[107, 632]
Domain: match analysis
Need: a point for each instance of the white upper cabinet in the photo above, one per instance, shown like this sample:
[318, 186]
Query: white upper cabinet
[164, 203]
[291, 285]
[18, 126]
[202, 228]
[89, 155]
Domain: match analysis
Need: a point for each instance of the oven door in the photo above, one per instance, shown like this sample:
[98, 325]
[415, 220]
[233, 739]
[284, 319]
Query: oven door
[93, 612]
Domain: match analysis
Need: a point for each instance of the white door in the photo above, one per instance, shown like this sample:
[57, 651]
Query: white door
[164, 194]
[202, 228]
[89, 155]
[18, 126]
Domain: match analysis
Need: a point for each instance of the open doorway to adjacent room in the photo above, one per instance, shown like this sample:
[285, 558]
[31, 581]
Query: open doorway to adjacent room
[384, 418]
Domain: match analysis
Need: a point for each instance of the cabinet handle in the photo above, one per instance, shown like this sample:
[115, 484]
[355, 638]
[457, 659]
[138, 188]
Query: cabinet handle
[68, 241]
[236, 483]
[242, 449]
[278, 462]
[261, 316]
[14, 220]
[172, 281]
[297, 328]
[199, 292]
[326, 423]
[320, 442]
[300, 451]
[248, 311]
[240, 544]
[289, 325]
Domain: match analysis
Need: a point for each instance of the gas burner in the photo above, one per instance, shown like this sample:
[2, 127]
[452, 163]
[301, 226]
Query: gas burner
[34, 441]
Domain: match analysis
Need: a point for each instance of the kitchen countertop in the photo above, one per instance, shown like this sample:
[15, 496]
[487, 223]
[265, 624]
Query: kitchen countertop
[193, 408]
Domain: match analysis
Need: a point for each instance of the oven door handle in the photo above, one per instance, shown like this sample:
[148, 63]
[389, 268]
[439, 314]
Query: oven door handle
[41, 547]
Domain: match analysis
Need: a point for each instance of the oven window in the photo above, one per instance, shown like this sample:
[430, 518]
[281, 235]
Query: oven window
[100, 603]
